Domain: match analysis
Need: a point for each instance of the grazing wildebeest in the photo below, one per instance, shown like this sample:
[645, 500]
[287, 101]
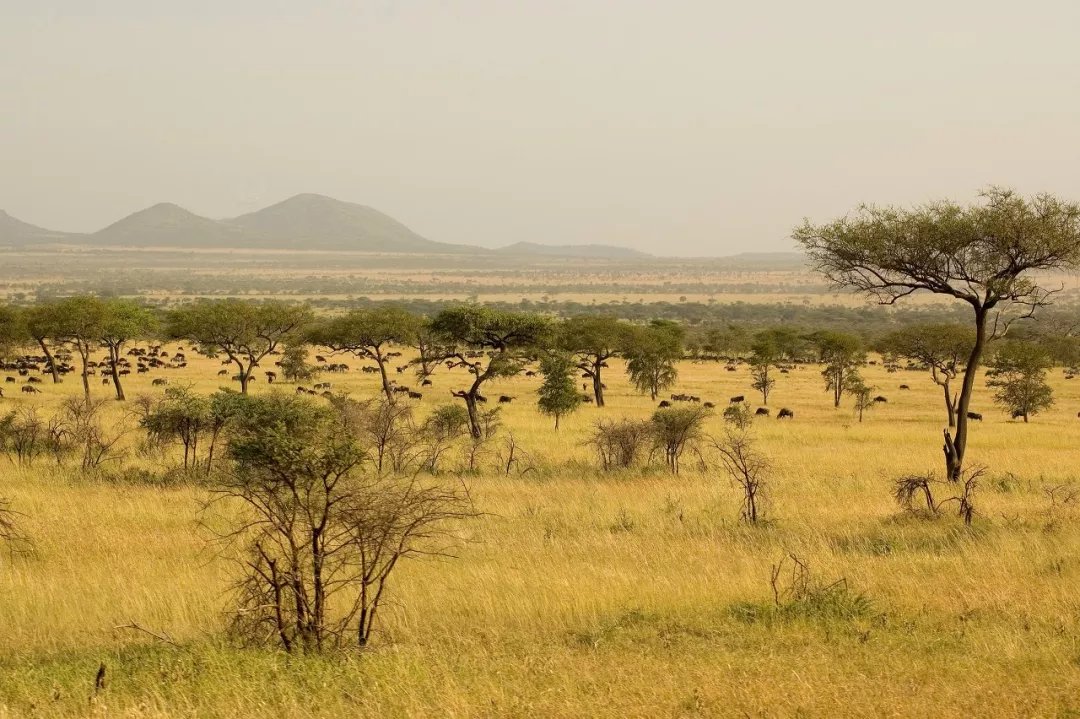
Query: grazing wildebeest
[762, 411]
[785, 412]
[587, 398]
[505, 399]
[34, 380]
[426, 383]
[879, 398]
[904, 386]
[10, 379]
[301, 390]
[481, 399]
[664, 403]
[975, 416]
[530, 373]
[320, 358]
[105, 380]
[708, 405]
[737, 399]
[415, 395]
[29, 389]
[222, 373]
[270, 377]
[1017, 414]
[160, 381]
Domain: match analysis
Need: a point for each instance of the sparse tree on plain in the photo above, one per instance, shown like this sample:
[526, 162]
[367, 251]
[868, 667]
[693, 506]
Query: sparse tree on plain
[558, 394]
[508, 337]
[1017, 372]
[842, 354]
[944, 348]
[369, 334]
[986, 255]
[246, 332]
[651, 355]
[594, 340]
[123, 321]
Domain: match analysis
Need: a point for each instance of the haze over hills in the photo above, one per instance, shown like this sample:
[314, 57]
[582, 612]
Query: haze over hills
[15, 231]
[302, 222]
[317, 222]
[169, 225]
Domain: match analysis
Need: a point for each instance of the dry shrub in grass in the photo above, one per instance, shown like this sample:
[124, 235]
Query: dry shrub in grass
[317, 529]
[620, 444]
[746, 466]
[676, 429]
[11, 533]
[915, 493]
[798, 594]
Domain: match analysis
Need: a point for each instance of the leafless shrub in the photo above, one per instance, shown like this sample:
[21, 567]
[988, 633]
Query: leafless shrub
[95, 442]
[918, 489]
[746, 466]
[620, 444]
[11, 533]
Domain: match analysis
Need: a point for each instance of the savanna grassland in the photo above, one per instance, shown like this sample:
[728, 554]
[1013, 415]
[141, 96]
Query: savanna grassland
[579, 593]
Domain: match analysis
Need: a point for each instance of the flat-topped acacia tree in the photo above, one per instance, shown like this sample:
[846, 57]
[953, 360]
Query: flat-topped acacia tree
[593, 340]
[508, 337]
[245, 331]
[369, 334]
[123, 321]
[944, 348]
[986, 254]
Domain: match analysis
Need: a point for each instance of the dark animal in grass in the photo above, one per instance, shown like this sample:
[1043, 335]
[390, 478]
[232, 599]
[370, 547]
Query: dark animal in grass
[762, 411]
[30, 390]
[975, 416]
[785, 412]
[904, 386]
[664, 403]
[737, 399]
[879, 398]
[415, 395]
[504, 399]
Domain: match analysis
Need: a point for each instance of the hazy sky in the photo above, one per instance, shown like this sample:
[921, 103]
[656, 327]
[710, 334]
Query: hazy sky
[675, 126]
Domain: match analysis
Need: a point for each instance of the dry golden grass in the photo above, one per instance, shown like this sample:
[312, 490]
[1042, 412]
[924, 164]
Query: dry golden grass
[587, 595]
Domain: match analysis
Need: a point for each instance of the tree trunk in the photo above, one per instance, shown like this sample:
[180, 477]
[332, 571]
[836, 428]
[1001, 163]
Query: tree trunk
[954, 448]
[597, 384]
[381, 361]
[474, 417]
[114, 359]
[950, 405]
[52, 362]
[84, 356]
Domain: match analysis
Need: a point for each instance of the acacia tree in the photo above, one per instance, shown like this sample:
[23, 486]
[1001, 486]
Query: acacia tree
[594, 340]
[246, 332]
[558, 393]
[122, 321]
[1017, 372]
[984, 254]
[842, 354]
[12, 330]
[651, 353]
[506, 336]
[942, 347]
[761, 363]
[80, 324]
[43, 325]
[368, 334]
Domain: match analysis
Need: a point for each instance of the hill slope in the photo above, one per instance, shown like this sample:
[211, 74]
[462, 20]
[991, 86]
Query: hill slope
[16, 232]
[315, 222]
[168, 225]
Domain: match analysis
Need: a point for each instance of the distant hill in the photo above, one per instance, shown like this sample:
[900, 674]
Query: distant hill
[592, 251]
[17, 232]
[316, 222]
[169, 225]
